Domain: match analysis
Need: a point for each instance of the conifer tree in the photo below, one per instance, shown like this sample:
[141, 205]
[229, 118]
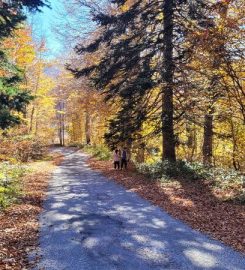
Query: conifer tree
[143, 41]
[12, 99]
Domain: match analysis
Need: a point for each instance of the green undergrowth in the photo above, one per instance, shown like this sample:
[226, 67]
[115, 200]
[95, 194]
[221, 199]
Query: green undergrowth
[10, 176]
[229, 182]
[167, 170]
[100, 152]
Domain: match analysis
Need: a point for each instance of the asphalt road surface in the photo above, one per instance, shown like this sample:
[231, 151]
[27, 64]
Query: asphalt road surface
[91, 223]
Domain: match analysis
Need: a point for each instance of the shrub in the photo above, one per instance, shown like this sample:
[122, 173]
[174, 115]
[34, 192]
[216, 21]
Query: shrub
[9, 183]
[101, 152]
[153, 170]
[192, 171]
[22, 148]
[29, 149]
[167, 169]
[229, 182]
[226, 179]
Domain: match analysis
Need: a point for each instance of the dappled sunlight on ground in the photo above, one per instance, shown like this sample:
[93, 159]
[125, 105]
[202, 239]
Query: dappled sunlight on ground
[92, 223]
[192, 202]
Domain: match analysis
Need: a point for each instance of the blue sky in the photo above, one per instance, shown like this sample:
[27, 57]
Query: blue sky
[43, 24]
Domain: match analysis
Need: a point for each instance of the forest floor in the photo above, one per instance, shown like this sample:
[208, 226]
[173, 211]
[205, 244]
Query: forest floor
[195, 203]
[19, 223]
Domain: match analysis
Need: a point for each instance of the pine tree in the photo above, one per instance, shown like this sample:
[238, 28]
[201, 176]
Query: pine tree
[139, 40]
[12, 99]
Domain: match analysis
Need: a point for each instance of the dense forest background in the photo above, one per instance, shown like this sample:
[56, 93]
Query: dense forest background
[164, 78]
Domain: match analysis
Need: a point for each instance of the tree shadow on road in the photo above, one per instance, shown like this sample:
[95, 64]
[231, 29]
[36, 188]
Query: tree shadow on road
[191, 201]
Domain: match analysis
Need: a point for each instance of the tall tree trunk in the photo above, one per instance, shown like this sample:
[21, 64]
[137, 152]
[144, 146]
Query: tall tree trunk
[208, 121]
[34, 104]
[141, 153]
[207, 148]
[167, 95]
[87, 127]
[61, 121]
[63, 130]
[60, 132]
[191, 141]
[31, 119]
[235, 162]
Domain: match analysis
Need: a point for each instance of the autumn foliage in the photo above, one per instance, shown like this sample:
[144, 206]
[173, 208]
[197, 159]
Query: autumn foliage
[163, 78]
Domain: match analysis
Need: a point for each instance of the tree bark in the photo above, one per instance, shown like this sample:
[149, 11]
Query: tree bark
[31, 119]
[87, 127]
[235, 162]
[141, 153]
[208, 122]
[207, 149]
[167, 95]
[191, 141]
[61, 120]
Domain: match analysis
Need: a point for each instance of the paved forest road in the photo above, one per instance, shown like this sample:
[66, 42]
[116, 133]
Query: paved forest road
[90, 223]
